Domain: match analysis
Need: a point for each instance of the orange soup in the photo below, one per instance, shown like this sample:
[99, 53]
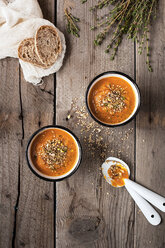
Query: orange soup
[54, 152]
[118, 173]
[111, 100]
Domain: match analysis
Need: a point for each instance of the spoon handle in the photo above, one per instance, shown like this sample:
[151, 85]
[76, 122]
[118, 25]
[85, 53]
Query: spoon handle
[149, 212]
[155, 199]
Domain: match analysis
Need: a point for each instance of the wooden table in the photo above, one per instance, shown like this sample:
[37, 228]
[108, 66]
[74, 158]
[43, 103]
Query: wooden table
[83, 210]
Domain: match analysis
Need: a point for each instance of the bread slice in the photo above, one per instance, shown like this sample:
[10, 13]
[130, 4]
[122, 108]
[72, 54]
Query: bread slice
[26, 52]
[47, 44]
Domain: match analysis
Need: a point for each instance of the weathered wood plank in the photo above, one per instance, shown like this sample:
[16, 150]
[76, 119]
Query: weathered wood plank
[35, 215]
[10, 136]
[90, 213]
[151, 131]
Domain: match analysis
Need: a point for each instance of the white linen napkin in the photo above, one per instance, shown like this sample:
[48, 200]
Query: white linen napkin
[20, 19]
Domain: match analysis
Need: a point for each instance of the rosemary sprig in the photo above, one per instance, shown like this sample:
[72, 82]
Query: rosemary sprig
[129, 17]
[71, 23]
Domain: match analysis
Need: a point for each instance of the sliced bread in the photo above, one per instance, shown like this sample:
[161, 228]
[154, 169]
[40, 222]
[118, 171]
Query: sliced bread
[47, 45]
[26, 52]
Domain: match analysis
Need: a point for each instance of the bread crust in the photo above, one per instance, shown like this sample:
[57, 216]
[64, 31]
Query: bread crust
[47, 44]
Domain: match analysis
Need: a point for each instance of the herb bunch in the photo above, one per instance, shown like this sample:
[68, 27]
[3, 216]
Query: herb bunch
[128, 17]
[71, 26]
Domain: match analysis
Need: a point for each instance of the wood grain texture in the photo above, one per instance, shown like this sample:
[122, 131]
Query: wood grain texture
[10, 136]
[90, 213]
[150, 156]
[35, 214]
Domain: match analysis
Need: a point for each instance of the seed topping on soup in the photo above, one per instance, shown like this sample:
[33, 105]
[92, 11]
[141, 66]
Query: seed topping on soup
[54, 153]
[114, 99]
[111, 100]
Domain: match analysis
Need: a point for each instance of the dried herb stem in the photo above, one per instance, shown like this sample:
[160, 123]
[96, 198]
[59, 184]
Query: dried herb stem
[72, 23]
[129, 17]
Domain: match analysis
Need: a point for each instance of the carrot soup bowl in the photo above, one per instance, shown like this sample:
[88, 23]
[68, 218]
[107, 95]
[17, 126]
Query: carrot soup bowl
[113, 99]
[53, 153]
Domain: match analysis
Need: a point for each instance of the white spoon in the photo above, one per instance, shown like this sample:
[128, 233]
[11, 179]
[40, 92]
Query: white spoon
[137, 192]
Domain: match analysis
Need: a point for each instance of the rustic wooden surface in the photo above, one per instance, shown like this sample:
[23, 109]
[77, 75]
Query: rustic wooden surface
[82, 211]
[150, 137]
[89, 211]
[35, 215]
[27, 203]
[11, 134]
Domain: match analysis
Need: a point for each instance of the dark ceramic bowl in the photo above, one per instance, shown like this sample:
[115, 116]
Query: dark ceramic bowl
[127, 79]
[40, 174]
